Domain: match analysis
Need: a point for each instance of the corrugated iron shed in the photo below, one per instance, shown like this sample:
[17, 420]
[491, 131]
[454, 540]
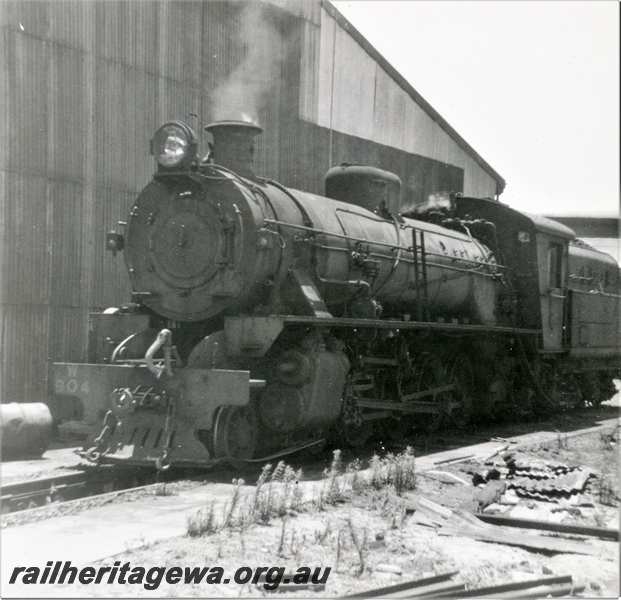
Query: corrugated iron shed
[83, 85]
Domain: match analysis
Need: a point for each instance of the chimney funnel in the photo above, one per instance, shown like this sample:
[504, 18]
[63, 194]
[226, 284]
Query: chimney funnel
[234, 145]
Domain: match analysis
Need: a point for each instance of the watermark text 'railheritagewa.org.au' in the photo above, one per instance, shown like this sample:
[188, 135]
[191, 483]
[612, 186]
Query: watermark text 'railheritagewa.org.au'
[63, 572]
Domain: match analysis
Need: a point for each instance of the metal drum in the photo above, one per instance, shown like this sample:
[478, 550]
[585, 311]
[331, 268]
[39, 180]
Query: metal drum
[26, 429]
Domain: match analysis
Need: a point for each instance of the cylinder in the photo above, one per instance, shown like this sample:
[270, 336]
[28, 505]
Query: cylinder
[25, 428]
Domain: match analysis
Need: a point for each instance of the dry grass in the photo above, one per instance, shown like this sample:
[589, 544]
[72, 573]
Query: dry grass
[202, 522]
[278, 494]
[398, 471]
[489, 573]
[360, 544]
[162, 489]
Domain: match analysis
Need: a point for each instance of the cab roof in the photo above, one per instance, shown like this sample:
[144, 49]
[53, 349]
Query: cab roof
[550, 227]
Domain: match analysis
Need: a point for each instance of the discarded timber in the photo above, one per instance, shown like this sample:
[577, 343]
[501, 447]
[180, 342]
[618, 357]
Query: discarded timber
[453, 460]
[406, 586]
[537, 543]
[543, 592]
[437, 590]
[600, 532]
[444, 477]
[496, 452]
[516, 585]
[434, 507]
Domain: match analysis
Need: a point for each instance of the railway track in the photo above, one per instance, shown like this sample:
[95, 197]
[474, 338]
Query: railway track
[90, 482]
[50, 489]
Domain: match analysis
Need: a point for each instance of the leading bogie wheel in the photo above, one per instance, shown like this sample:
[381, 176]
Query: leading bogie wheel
[235, 432]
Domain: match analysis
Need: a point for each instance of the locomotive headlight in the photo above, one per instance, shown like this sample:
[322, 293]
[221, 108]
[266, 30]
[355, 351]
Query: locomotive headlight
[173, 143]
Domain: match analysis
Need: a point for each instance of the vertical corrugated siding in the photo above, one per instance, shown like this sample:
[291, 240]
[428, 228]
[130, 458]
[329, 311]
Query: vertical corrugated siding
[83, 85]
[124, 106]
[26, 250]
[24, 335]
[290, 168]
[64, 199]
[354, 88]
[309, 73]
[66, 120]
[26, 63]
[110, 285]
[348, 77]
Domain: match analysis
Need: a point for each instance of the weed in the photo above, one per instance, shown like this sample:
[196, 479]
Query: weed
[338, 550]
[201, 522]
[265, 473]
[161, 489]
[396, 470]
[230, 510]
[319, 500]
[359, 544]
[377, 472]
[287, 487]
[262, 503]
[281, 543]
[278, 472]
[334, 484]
[320, 536]
[297, 495]
[403, 471]
[276, 492]
[484, 574]
[242, 543]
[356, 481]
[293, 549]
[562, 441]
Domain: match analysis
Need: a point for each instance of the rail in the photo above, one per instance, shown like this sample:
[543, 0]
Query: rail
[28, 494]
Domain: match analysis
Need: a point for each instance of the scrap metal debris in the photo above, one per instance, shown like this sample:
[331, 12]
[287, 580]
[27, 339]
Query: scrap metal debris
[534, 479]
[545, 480]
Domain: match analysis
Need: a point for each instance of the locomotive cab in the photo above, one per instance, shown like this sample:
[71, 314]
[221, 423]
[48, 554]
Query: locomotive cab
[552, 257]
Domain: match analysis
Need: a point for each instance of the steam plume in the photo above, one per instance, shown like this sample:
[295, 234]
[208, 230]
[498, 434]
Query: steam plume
[245, 92]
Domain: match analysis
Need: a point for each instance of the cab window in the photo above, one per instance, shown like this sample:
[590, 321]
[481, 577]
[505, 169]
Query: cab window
[555, 265]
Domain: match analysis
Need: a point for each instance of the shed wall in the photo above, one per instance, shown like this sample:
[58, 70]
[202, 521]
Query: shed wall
[83, 85]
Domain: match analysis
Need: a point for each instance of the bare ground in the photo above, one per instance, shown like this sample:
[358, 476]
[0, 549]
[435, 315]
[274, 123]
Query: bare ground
[370, 539]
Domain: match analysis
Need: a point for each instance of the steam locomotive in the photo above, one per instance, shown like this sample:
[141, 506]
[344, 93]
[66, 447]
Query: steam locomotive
[264, 320]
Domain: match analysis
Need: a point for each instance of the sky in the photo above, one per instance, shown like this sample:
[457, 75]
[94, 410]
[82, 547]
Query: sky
[532, 86]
